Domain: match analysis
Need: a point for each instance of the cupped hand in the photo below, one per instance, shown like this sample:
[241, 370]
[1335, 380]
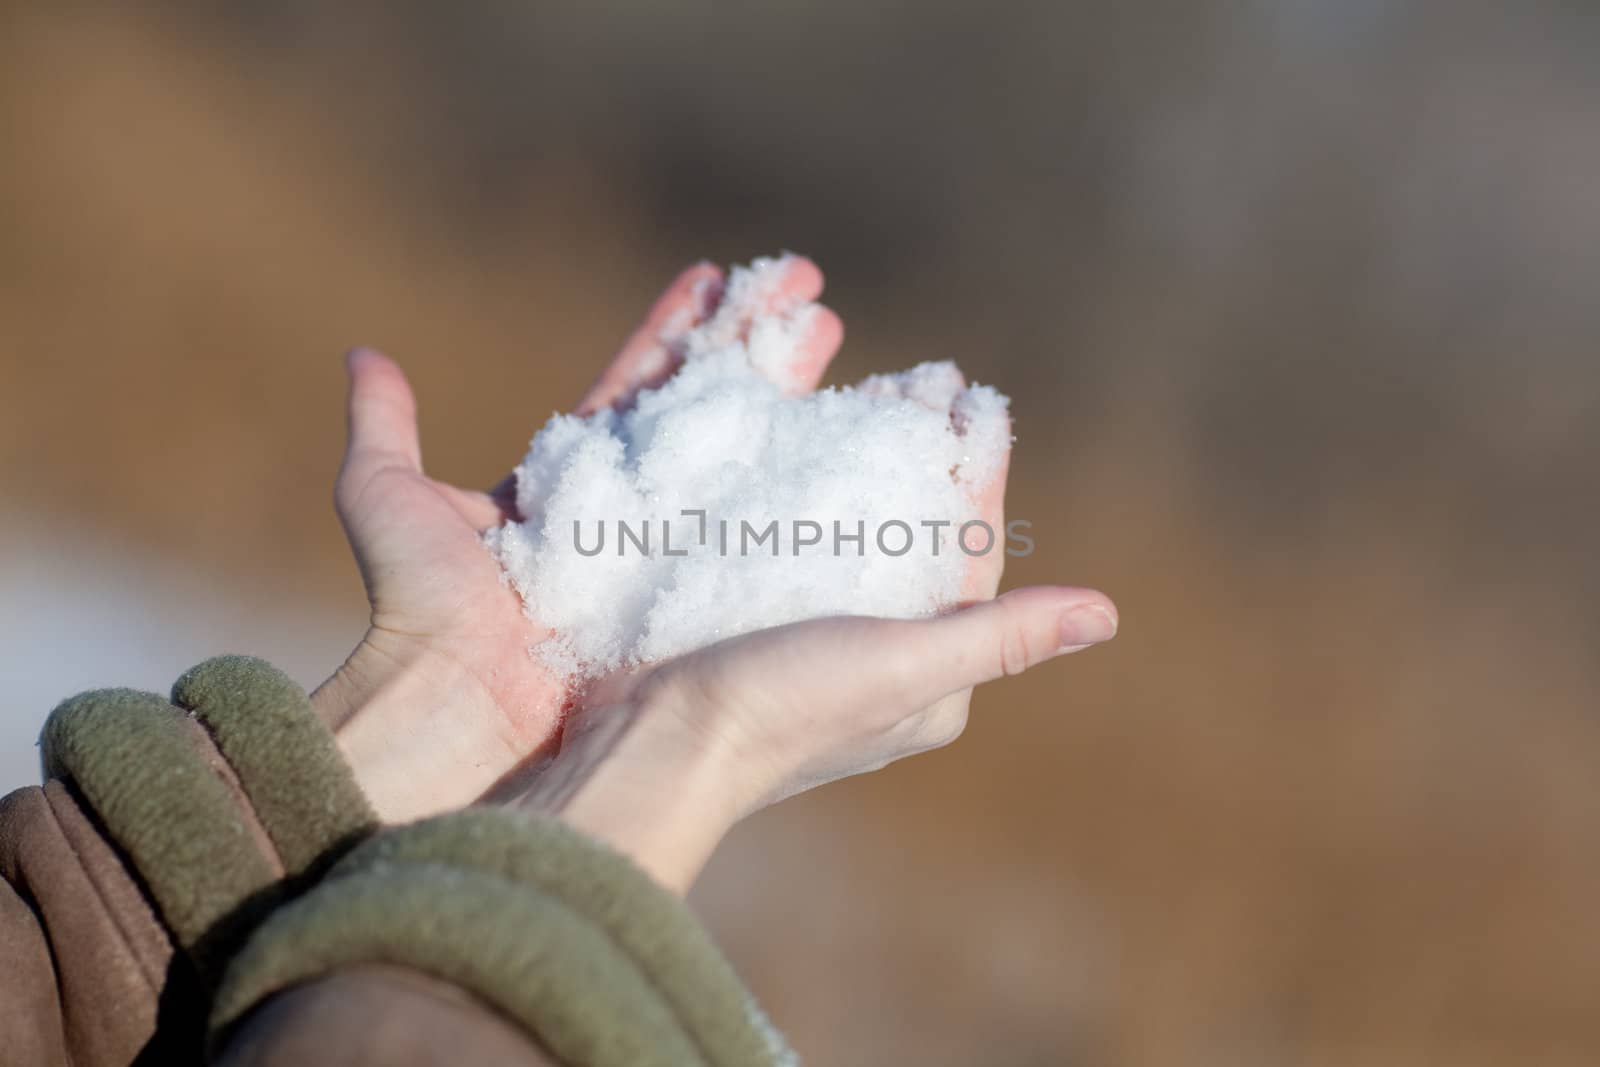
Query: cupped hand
[665, 764]
[442, 697]
[662, 761]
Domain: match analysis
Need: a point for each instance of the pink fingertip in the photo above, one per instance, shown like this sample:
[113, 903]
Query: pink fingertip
[825, 333]
[801, 282]
[364, 354]
[1086, 624]
[707, 292]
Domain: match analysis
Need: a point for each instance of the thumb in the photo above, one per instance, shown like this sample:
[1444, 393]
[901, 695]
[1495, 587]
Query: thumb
[896, 666]
[927, 660]
[382, 415]
[821, 699]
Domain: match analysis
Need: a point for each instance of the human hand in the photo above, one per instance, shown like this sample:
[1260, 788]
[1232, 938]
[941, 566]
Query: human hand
[667, 762]
[662, 761]
[441, 697]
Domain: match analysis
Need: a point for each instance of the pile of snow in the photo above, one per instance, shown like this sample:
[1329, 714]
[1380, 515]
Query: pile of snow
[720, 503]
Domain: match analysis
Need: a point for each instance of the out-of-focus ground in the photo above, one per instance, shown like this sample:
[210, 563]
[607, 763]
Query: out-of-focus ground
[1298, 306]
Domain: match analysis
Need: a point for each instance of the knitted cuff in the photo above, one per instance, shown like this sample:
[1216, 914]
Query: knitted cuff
[557, 932]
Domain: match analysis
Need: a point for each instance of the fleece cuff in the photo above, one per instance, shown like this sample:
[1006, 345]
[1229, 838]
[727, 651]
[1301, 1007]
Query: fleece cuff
[557, 932]
[287, 761]
[163, 791]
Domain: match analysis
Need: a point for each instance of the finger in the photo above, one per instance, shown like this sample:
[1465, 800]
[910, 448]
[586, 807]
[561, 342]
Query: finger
[653, 352]
[648, 357]
[779, 292]
[982, 579]
[902, 666]
[783, 290]
[824, 335]
[943, 722]
[918, 663]
[800, 283]
[382, 415]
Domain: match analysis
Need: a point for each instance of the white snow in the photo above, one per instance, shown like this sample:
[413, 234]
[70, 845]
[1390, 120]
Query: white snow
[729, 435]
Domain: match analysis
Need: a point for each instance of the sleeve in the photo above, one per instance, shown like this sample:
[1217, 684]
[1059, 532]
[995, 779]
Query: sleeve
[379, 1014]
[164, 832]
[489, 923]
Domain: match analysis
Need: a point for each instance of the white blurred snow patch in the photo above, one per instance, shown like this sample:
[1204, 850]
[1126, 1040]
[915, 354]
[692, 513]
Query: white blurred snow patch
[80, 611]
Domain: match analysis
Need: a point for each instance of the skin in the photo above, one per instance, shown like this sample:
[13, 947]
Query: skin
[441, 703]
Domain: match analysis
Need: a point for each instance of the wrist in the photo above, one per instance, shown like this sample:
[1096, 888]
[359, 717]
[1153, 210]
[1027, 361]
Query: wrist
[627, 775]
[410, 724]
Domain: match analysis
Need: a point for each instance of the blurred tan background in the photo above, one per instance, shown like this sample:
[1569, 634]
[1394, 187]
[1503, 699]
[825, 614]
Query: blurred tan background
[1298, 305]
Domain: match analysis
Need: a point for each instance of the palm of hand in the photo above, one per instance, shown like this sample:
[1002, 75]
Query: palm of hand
[437, 594]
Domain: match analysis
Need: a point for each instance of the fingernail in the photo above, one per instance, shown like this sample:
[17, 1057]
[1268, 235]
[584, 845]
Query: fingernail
[1087, 624]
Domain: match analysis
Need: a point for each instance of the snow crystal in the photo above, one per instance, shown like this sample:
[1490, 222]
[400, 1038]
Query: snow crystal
[728, 500]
